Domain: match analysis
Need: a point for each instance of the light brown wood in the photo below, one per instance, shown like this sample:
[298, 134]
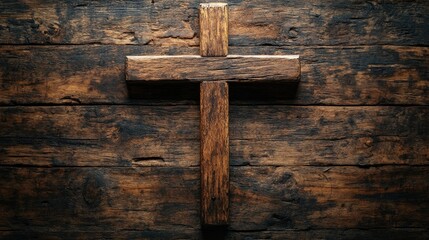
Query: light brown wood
[214, 130]
[214, 110]
[233, 68]
[213, 29]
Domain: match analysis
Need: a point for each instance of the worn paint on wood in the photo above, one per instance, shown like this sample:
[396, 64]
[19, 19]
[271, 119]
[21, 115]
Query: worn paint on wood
[214, 130]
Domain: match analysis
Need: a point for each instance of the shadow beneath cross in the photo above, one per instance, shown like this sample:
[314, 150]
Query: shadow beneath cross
[214, 232]
[239, 92]
[262, 92]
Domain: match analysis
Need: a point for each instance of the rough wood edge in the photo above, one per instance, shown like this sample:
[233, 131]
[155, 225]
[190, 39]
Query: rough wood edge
[213, 29]
[136, 74]
[148, 57]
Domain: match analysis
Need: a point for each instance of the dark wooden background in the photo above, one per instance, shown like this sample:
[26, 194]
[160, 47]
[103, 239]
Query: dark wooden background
[345, 155]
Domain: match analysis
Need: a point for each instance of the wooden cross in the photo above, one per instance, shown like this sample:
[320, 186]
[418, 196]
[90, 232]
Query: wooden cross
[214, 69]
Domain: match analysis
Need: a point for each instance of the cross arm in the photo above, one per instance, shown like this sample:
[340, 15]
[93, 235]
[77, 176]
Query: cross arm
[232, 68]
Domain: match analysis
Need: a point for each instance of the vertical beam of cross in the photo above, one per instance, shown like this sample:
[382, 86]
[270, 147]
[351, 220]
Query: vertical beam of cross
[214, 119]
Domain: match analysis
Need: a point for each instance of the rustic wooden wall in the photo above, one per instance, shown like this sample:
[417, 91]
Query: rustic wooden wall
[343, 155]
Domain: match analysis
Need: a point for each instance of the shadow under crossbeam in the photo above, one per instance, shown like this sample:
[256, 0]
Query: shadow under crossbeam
[252, 92]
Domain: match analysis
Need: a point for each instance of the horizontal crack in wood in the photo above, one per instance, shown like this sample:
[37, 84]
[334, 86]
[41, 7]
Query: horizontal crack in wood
[141, 159]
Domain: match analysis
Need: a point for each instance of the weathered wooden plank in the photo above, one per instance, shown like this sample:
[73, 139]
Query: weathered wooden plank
[341, 197]
[345, 234]
[213, 29]
[214, 161]
[166, 199]
[94, 200]
[100, 199]
[174, 233]
[169, 135]
[233, 68]
[170, 22]
[309, 234]
[330, 75]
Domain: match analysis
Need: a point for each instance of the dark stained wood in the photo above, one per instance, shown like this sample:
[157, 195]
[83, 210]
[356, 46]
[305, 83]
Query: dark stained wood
[344, 197]
[165, 200]
[115, 167]
[213, 29]
[345, 234]
[167, 136]
[330, 75]
[233, 68]
[260, 22]
[214, 131]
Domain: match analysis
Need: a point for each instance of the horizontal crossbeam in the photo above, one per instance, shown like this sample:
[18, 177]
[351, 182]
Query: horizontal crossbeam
[232, 68]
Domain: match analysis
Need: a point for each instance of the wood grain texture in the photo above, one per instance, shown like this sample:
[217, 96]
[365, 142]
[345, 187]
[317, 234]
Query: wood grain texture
[168, 136]
[112, 167]
[259, 22]
[357, 75]
[162, 201]
[214, 130]
[233, 68]
[213, 29]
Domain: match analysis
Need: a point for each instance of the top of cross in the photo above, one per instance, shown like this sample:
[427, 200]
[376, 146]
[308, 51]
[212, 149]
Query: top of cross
[220, 66]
